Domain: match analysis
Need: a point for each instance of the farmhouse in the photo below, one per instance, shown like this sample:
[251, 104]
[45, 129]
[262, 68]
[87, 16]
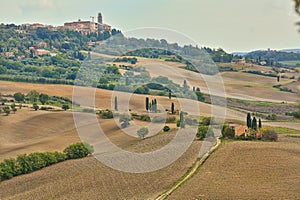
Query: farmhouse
[240, 130]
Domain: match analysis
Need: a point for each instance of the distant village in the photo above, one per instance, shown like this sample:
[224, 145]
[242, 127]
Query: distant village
[85, 27]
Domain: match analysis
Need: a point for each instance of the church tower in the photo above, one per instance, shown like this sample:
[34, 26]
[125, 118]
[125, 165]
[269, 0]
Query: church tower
[100, 19]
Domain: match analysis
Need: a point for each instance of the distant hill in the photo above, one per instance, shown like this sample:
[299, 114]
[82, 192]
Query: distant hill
[291, 50]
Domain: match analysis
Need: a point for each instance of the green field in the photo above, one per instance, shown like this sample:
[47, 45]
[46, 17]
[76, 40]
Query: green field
[291, 63]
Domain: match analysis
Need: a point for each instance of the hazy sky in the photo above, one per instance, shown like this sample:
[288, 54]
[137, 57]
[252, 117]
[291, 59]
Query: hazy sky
[235, 25]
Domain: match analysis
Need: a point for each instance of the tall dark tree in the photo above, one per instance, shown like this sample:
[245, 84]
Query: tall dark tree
[173, 108]
[278, 78]
[170, 94]
[182, 121]
[254, 124]
[155, 105]
[147, 103]
[249, 121]
[116, 103]
[185, 86]
[259, 123]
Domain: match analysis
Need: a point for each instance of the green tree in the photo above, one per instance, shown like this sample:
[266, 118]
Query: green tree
[35, 106]
[228, 132]
[65, 107]
[249, 121]
[43, 98]
[172, 108]
[6, 109]
[13, 107]
[124, 120]
[199, 94]
[19, 97]
[142, 132]
[33, 96]
[147, 103]
[3, 69]
[254, 124]
[78, 150]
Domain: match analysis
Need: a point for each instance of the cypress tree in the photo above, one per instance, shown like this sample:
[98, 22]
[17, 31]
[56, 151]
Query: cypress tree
[182, 123]
[249, 121]
[170, 94]
[116, 103]
[259, 123]
[155, 105]
[147, 103]
[254, 124]
[172, 108]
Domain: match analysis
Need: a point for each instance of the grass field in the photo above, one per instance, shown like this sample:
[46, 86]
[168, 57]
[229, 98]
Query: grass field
[291, 63]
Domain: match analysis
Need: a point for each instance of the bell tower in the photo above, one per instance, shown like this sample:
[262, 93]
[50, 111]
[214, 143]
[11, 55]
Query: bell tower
[100, 18]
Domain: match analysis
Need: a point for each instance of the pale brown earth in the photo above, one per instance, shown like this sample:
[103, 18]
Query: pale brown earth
[247, 170]
[89, 179]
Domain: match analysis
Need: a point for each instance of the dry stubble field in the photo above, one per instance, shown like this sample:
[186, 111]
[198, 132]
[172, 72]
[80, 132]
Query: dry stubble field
[247, 170]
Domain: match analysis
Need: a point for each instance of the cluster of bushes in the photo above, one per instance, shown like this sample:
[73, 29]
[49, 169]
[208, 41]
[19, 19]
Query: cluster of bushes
[272, 117]
[142, 117]
[159, 119]
[283, 89]
[294, 114]
[106, 114]
[125, 59]
[268, 135]
[261, 73]
[25, 164]
[205, 132]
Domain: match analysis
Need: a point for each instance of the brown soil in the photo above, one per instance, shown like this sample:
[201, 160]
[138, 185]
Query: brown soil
[89, 179]
[247, 170]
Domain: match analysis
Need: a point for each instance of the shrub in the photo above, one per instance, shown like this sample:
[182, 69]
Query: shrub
[143, 117]
[171, 119]
[106, 114]
[78, 150]
[205, 121]
[159, 119]
[178, 123]
[125, 120]
[272, 117]
[268, 134]
[35, 106]
[166, 128]
[191, 121]
[142, 132]
[88, 110]
[228, 132]
[24, 163]
[8, 169]
[204, 131]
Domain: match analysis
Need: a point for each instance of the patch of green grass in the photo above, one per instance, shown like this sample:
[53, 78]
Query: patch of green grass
[293, 136]
[260, 103]
[283, 130]
[293, 62]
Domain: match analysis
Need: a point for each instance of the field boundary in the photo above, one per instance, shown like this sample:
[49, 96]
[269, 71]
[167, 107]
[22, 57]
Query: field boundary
[190, 172]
